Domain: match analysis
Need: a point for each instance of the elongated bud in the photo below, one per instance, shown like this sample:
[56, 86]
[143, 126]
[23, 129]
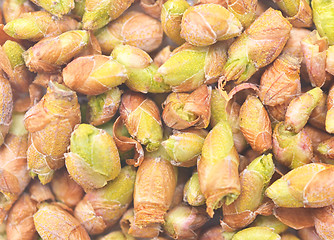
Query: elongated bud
[128, 227]
[142, 119]
[253, 180]
[101, 208]
[65, 189]
[12, 9]
[152, 199]
[171, 16]
[256, 233]
[140, 69]
[98, 15]
[22, 77]
[271, 222]
[50, 123]
[244, 55]
[35, 26]
[314, 51]
[13, 162]
[306, 186]
[20, 224]
[93, 158]
[218, 168]
[255, 124]
[205, 24]
[184, 222]
[133, 28]
[192, 192]
[49, 54]
[300, 109]
[244, 10]
[291, 149]
[323, 18]
[94, 75]
[281, 81]
[182, 110]
[52, 221]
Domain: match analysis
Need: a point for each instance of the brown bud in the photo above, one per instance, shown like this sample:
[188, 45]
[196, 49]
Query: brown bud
[318, 116]
[43, 79]
[308, 234]
[20, 223]
[13, 9]
[293, 46]
[296, 218]
[324, 220]
[39, 192]
[65, 189]
[152, 7]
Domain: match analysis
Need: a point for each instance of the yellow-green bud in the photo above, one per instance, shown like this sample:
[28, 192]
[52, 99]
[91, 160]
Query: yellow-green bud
[192, 192]
[258, 233]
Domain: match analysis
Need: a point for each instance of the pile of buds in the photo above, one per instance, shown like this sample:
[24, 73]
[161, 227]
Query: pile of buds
[220, 130]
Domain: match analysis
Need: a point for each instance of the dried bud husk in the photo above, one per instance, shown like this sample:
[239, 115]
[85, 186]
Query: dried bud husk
[93, 158]
[293, 46]
[26, 101]
[13, 162]
[35, 26]
[162, 56]
[20, 223]
[330, 111]
[99, 14]
[152, 199]
[323, 18]
[65, 189]
[192, 192]
[184, 222]
[205, 24]
[271, 222]
[314, 51]
[49, 54]
[217, 233]
[256, 233]
[6, 105]
[128, 227]
[58, 8]
[258, 46]
[140, 69]
[43, 79]
[189, 67]
[255, 124]
[94, 75]
[171, 16]
[318, 116]
[184, 147]
[280, 83]
[291, 149]
[305, 186]
[52, 221]
[244, 10]
[133, 28]
[330, 60]
[253, 180]
[299, 12]
[102, 108]
[142, 119]
[308, 234]
[50, 123]
[324, 220]
[101, 208]
[296, 218]
[21, 75]
[218, 168]
[300, 109]
[183, 110]
[40, 193]
[12, 9]
[116, 235]
[289, 236]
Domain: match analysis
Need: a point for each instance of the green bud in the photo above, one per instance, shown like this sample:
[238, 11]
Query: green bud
[218, 108]
[184, 70]
[289, 7]
[323, 17]
[271, 222]
[259, 233]
[79, 8]
[58, 8]
[17, 126]
[171, 16]
[192, 191]
[264, 166]
[14, 52]
[140, 69]
[93, 159]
